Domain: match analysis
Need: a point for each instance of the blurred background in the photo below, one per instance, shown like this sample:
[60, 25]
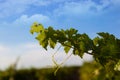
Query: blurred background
[21, 56]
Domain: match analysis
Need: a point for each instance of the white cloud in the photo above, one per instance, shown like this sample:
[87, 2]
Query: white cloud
[5, 58]
[3, 49]
[13, 7]
[87, 57]
[25, 20]
[10, 7]
[72, 8]
[18, 30]
[6, 61]
[87, 7]
[32, 55]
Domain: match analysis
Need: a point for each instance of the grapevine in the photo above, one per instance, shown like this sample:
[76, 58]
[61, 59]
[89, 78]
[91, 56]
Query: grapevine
[105, 47]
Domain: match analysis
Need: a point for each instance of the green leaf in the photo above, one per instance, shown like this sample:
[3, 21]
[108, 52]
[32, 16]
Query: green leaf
[36, 28]
[71, 32]
[82, 46]
[43, 40]
[95, 41]
[76, 52]
[52, 43]
[67, 47]
[41, 37]
[44, 44]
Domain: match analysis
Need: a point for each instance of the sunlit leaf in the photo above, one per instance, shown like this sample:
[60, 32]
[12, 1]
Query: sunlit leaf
[36, 28]
[52, 43]
[67, 47]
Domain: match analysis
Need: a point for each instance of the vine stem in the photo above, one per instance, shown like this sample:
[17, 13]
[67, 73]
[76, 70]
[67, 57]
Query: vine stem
[59, 66]
[53, 56]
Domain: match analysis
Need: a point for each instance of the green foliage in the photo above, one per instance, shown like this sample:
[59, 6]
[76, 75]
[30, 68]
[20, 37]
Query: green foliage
[107, 51]
[117, 66]
[105, 47]
[65, 73]
[94, 71]
[69, 39]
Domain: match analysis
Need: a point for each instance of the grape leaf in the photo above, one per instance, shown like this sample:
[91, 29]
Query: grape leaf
[67, 46]
[36, 28]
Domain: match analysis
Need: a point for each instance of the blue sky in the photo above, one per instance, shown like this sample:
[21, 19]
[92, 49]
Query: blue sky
[88, 16]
